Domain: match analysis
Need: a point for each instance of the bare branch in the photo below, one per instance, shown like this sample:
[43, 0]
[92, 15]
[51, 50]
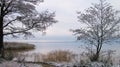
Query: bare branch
[102, 24]
[9, 23]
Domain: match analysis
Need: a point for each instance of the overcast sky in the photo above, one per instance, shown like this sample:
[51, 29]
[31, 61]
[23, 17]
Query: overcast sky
[66, 15]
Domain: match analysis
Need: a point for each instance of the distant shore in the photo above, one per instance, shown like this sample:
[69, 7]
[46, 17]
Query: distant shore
[18, 46]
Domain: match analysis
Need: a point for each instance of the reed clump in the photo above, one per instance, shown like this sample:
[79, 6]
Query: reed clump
[58, 56]
[18, 46]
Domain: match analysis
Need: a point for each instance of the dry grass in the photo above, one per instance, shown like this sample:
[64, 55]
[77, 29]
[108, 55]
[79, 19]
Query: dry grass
[17, 46]
[12, 49]
[58, 56]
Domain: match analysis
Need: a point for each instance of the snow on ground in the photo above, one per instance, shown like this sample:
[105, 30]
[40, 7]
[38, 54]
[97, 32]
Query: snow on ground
[15, 64]
[92, 64]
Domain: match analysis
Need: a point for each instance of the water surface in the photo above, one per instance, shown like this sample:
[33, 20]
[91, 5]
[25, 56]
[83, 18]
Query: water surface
[45, 46]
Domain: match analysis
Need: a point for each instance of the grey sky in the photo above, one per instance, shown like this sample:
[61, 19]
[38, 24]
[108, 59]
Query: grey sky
[66, 15]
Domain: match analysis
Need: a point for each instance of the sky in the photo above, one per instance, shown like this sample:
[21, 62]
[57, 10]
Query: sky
[66, 15]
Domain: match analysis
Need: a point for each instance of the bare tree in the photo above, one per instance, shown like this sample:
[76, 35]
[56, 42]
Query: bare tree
[20, 17]
[102, 24]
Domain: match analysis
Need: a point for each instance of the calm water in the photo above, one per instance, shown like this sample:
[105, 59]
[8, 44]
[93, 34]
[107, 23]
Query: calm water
[45, 46]
[74, 46]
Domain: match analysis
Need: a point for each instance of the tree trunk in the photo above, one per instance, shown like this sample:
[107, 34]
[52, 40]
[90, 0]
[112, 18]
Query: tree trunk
[1, 38]
[98, 51]
[96, 56]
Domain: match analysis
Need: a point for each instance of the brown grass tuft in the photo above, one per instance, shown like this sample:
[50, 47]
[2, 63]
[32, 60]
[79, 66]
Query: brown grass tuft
[58, 56]
[18, 46]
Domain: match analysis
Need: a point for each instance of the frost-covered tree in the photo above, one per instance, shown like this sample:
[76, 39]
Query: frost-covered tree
[20, 17]
[102, 24]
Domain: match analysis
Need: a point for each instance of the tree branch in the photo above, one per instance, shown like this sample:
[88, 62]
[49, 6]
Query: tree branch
[15, 32]
[9, 23]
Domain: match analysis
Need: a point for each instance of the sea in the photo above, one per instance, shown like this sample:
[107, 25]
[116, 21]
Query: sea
[75, 46]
